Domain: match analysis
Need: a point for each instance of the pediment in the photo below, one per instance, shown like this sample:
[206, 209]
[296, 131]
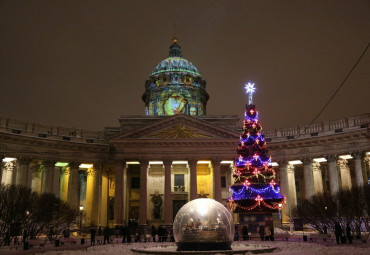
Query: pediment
[179, 127]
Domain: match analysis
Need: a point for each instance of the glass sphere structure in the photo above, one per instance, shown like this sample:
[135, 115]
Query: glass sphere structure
[203, 224]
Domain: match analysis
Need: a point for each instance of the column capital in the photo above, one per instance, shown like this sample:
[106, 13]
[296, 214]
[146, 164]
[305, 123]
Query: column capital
[23, 160]
[290, 168]
[306, 160]
[216, 161]
[315, 166]
[144, 162]
[74, 165]
[192, 162]
[331, 158]
[49, 163]
[91, 172]
[342, 163]
[367, 159]
[282, 162]
[167, 162]
[356, 154]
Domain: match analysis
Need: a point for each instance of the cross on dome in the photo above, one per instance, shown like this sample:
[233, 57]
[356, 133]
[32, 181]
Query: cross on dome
[250, 89]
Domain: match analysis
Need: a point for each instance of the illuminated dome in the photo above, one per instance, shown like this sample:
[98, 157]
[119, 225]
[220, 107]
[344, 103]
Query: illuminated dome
[175, 86]
[175, 64]
[203, 224]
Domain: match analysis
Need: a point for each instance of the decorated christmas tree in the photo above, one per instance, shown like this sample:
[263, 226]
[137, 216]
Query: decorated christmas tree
[255, 189]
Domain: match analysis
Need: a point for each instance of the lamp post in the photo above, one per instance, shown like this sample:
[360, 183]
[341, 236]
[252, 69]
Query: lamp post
[81, 210]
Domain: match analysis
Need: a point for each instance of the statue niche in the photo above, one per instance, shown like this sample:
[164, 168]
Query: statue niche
[157, 204]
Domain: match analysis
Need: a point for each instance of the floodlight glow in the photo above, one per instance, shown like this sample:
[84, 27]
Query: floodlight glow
[155, 162]
[227, 162]
[319, 160]
[86, 166]
[179, 162]
[133, 163]
[8, 159]
[61, 164]
[345, 156]
[295, 162]
[274, 164]
[204, 162]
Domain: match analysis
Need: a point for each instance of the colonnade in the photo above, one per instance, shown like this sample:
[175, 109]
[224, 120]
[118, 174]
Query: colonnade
[340, 173]
[190, 191]
[94, 185]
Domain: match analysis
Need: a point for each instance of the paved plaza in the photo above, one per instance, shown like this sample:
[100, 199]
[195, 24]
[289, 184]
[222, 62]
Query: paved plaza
[294, 246]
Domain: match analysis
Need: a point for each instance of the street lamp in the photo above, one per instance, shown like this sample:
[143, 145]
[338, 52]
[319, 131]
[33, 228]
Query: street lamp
[81, 210]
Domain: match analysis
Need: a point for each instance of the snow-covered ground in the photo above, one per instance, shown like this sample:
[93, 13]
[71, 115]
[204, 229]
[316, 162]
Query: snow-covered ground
[283, 248]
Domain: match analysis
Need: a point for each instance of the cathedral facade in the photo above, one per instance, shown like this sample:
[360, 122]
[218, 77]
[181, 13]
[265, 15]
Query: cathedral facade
[146, 168]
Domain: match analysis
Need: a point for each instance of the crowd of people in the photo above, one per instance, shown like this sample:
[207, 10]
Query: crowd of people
[340, 236]
[131, 233]
[266, 233]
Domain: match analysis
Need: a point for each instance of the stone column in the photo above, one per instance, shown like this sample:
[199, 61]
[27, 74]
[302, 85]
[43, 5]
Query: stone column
[292, 197]
[125, 193]
[345, 174]
[193, 178]
[217, 179]
[9, 170]
[118, 196]
[333, 174]
[48, 176]
[36, 180]
[24, 172]
[358, 169]
[367, 168]
[103, 218]
[1, 168]
[14, 174]
[73, 183]
[167, 192]
[230, 173]
[95, 208]
[143, 214]
[56, 181]
[308, 178]
[317, 178]
[284, 188]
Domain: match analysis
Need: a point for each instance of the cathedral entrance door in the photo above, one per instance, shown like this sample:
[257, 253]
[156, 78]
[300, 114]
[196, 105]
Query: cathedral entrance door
[177, 204]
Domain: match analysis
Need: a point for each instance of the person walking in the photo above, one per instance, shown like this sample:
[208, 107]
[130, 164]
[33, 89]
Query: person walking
[338, 232]
[245, 232]
[154, 232]
[267, 233]
[128, 234]
[348, 233]
[106, 234]
[262, 233]
[92, 236]
[272, 233]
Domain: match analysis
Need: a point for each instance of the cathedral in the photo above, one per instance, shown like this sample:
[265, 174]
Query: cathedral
[147, 167]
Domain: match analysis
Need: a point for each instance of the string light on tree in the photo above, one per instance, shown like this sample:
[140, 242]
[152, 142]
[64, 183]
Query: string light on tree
[254, 188]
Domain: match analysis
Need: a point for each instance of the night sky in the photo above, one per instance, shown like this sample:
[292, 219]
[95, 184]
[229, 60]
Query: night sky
[84, 64]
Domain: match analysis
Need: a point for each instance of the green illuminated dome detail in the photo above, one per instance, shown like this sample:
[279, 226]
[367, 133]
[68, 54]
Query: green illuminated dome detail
[175, 64]
[175, 86]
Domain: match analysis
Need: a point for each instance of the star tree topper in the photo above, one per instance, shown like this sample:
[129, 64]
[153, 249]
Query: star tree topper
[250, 89]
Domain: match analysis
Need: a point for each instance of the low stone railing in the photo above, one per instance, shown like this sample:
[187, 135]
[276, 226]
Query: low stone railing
[81, 135]
[51, 132]
[319, 129]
